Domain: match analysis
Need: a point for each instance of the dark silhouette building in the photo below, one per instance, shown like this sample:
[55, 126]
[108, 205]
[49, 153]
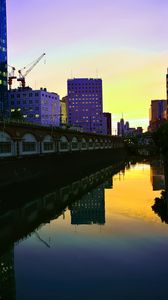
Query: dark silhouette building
[158, 114]
[3, 59]
[107, 117]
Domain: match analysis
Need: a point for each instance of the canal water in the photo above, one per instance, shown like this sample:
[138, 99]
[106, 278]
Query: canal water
[108, 244]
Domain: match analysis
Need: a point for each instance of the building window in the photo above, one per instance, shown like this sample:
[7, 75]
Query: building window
[63, 145]
[29, 146]
[74, 145]
[48, 146]
[5, 147]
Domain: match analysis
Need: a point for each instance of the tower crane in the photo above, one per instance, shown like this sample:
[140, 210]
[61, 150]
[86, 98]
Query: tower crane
[22, 76]
[11, 76]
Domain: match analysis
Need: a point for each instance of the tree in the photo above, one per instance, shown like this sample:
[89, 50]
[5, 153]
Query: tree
[160, 138]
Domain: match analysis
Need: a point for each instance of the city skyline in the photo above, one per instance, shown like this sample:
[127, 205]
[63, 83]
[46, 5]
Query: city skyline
[122, 42]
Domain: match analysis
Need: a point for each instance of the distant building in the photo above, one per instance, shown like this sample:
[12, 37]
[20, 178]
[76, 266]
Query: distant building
[139, 130]
[3, 59]
[123, 129]
[36, 106]
[64, 110]
[107, 117]
[85, 104]
[158, 114]
[167, 94]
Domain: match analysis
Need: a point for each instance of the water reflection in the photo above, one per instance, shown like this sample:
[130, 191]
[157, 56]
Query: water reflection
[90, 209]
[157, 175]
[160, 206]
[18, 221]
[7, 276]
[60, 262]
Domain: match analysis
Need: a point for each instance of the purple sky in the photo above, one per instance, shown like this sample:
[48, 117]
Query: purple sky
[76, 31]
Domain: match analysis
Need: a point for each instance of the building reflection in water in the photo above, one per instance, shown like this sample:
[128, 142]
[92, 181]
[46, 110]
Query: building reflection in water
[160, 206]
[21, 218]
[7, 276]
[157, 175]
[90, 209]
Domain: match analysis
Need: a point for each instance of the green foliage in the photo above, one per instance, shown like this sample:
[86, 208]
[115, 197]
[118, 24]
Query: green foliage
[160, 138]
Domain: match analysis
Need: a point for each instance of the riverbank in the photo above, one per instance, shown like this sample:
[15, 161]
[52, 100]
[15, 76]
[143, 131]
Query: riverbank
[55, 169]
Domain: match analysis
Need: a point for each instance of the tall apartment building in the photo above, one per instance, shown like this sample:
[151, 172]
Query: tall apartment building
[3, 59]
[85, 104]
[35, 106]
[158, 113]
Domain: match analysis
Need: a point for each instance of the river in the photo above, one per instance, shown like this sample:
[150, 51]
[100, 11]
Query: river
[107, 244]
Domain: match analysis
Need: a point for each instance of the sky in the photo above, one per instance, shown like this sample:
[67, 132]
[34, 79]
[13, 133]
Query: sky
[124, 42]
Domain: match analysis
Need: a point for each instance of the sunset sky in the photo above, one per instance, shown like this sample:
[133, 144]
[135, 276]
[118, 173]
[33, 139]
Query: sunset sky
[124, 42]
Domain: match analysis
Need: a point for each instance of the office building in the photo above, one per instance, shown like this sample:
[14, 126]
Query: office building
[124, 129]
[108, 124]
[85, 104]
[35, 106]
[121, 127]
[3, 60]
[158, 114]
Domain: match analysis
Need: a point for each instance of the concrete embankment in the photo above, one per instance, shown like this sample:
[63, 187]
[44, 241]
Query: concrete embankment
[57, 168]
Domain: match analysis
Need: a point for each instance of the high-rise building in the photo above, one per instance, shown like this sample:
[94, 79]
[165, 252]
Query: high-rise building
[85, 104]
[107, 117]
[35, 106]
[158, 114]
[3, 59]
[121, 127]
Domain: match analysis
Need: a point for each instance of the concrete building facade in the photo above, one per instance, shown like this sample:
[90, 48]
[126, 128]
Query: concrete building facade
[35, 106]
[85, 104]
[64, 112]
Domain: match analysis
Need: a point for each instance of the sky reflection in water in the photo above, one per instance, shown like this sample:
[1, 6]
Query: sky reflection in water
[122, 256]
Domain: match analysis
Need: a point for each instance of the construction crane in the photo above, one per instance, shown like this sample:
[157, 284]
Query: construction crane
[22, 76]
[11, 76]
